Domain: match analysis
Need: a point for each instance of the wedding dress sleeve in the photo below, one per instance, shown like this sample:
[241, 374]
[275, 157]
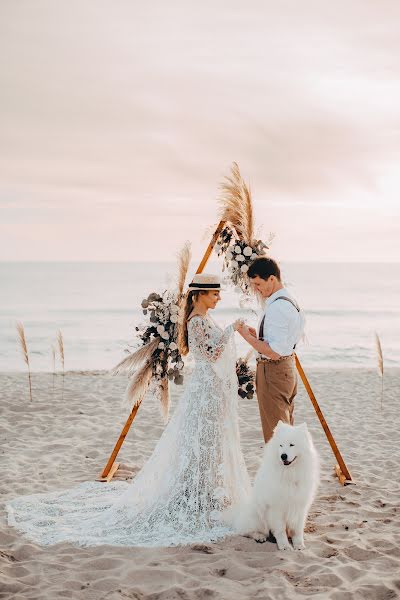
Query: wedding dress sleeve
[210, 345]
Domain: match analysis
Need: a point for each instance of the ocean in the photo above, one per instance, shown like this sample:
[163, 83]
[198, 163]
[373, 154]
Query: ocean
[97, 305]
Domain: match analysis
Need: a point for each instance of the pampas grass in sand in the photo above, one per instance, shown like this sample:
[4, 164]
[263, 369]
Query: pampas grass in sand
[60, 342]
[25, 353]
[380, 362]
[53, 354]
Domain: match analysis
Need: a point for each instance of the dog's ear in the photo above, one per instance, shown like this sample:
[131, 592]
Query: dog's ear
[279, 424]
[303, 426]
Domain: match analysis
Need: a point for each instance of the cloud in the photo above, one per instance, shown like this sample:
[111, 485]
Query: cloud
[132, 116]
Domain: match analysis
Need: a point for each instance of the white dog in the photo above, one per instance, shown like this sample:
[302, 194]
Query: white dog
[283, 490]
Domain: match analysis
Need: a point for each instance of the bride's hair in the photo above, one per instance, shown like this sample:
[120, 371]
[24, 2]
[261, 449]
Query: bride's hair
[189, 302]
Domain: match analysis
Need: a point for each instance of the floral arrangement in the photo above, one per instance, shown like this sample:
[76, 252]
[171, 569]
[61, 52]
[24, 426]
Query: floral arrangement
[157, 360]
[238, 256]
[163, 314]
[246, 379]
[237, 242]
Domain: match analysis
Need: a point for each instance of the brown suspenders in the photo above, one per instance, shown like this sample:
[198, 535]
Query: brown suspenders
[261, 329]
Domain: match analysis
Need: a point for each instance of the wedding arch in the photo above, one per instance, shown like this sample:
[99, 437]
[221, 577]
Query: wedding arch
[235, 230]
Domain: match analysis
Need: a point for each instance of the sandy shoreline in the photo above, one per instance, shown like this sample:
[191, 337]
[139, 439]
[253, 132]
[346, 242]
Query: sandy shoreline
[353, 534]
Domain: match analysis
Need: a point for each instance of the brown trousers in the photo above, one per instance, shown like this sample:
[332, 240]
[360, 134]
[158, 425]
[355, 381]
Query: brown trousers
[276, 386]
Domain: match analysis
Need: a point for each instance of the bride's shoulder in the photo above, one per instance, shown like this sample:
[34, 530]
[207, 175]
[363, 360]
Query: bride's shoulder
[196, 319]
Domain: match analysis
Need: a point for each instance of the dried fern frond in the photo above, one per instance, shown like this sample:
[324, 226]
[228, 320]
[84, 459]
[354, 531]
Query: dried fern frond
[128, 365]
[380, 361]
[184, 258]
[25, 353]
[236, 205]
[138, 385]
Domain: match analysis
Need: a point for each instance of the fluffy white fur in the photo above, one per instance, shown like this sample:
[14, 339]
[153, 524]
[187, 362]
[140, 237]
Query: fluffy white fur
[283, 490]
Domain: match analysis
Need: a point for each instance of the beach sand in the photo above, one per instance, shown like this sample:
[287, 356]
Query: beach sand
[352, 535]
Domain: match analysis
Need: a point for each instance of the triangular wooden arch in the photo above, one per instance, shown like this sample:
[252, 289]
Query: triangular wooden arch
[341, 469]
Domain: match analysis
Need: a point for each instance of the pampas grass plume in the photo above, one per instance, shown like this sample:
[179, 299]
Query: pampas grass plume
[25, 353]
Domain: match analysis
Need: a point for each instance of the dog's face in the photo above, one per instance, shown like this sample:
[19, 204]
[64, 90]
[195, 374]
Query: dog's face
[291, 442]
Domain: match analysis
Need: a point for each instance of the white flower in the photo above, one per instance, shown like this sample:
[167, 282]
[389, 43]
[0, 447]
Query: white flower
[233, 264]
[173, 346]
[174, 308]
[174, 318]
[238, 249]
[159, 369]
[165, 335]
[244, 268]
[161, 345]
[248, 251]
[160, 329]
[240, 258]
[254, 256]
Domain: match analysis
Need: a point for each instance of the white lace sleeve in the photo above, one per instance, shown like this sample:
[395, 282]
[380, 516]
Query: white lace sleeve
[210, 341]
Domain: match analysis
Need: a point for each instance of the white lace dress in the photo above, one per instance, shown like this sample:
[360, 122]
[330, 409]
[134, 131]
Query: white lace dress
[196, 470]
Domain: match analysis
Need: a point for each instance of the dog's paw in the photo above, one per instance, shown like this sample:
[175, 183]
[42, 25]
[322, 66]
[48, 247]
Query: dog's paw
[298, 545]
[285, 546]
[298, 542]
[260, 538]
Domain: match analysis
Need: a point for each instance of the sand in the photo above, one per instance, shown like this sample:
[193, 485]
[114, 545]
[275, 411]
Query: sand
[352, 535]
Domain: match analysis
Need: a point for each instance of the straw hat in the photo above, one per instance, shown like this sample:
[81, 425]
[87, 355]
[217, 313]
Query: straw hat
[205, 281]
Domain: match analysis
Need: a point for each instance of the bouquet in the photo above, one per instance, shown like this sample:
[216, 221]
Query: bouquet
[246, 379]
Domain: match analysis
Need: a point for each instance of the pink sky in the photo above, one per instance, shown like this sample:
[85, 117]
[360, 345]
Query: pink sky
[119, 119]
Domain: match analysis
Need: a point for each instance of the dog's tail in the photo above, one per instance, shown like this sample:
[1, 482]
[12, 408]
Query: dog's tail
[241, 517]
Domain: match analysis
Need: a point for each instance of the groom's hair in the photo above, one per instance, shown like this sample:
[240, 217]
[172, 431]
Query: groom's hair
[264, 267]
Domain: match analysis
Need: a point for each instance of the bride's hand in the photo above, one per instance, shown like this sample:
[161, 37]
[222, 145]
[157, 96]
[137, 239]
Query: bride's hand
[238, 324]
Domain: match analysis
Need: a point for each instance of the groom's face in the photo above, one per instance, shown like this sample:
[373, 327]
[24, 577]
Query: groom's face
[265, 287]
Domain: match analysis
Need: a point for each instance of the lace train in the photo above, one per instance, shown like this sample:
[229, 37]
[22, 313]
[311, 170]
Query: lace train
[196, 470]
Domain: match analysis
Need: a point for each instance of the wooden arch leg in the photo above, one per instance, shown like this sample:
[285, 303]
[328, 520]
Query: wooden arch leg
[341, 469]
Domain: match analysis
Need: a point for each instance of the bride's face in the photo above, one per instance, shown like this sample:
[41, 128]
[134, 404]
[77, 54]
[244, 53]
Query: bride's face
[210, 299]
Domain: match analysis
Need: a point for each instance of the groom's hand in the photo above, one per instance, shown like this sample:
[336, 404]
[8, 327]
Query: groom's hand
[253, 332]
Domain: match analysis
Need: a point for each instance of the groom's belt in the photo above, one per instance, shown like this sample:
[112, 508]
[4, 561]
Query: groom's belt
[261, 358]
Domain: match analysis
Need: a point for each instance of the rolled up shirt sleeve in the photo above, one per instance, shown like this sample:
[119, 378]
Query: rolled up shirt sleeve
[276, 331]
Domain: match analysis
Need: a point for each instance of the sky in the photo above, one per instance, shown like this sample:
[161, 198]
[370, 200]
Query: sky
[119, 120]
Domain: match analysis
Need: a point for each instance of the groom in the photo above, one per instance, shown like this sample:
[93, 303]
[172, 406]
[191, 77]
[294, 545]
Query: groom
[279, 331]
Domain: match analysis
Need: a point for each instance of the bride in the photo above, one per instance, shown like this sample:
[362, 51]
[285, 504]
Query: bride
[196, 470]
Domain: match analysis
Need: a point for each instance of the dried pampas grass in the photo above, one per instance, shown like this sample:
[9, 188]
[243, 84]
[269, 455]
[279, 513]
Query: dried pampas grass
[60, 342]
[128, 365]
[53, 354]
[25, 353]
[184, 258]
[236, 205]
[380, 362]
[138, 385]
